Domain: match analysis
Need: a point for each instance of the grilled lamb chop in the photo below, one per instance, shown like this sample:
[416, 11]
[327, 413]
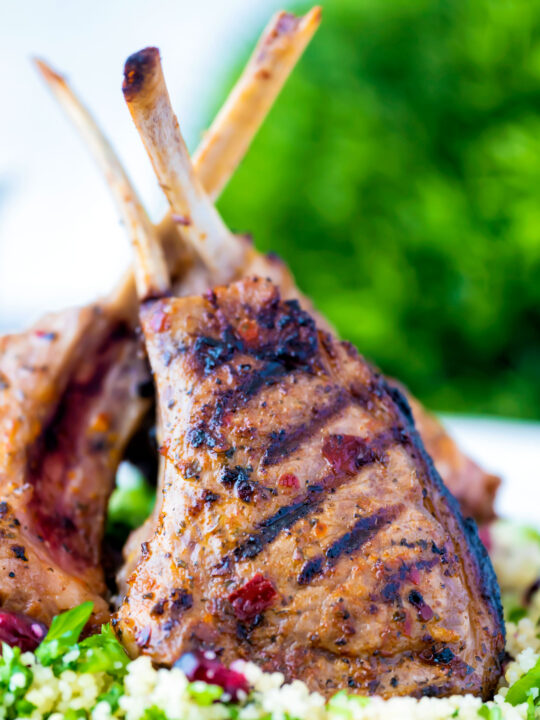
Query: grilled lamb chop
[301, 524]
[68, 403]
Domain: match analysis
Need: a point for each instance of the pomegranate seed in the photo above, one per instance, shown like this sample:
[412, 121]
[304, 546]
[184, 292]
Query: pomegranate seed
[253, 597]
[205, 667]
[346, 453]
[21, 631]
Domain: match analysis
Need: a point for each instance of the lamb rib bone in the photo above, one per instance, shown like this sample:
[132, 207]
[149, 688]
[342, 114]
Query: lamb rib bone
[279, 48]
[128, 204]
[148, 101]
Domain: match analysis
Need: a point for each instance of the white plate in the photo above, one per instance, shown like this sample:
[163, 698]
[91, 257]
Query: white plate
[511, 449]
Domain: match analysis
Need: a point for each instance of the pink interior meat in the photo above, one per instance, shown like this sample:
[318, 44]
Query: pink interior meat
[67, 465]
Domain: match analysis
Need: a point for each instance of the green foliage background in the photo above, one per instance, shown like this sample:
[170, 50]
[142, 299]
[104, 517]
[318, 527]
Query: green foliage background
[399, 175]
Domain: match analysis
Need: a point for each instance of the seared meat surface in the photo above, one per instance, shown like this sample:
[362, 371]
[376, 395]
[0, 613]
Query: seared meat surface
[68, 405]
[301, 524]
[474, 488]
[469, 483]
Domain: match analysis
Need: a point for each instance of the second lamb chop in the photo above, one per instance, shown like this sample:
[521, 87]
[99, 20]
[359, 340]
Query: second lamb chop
[68, 404]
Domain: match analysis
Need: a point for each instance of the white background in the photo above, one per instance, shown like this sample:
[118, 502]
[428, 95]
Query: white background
[60, 241]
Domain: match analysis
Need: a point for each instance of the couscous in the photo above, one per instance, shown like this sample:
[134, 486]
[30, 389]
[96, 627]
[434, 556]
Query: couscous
[94, 678]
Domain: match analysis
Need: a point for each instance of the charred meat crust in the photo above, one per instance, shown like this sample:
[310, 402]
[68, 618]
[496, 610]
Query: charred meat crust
[137, 70]
[485, 573]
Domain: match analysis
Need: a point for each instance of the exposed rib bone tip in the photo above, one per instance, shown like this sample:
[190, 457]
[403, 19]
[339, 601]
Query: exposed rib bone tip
[287, 22]
[137, 69]
[47, 71]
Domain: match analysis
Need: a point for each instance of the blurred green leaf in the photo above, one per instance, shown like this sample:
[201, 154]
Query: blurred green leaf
[132, 500]
[399, 175]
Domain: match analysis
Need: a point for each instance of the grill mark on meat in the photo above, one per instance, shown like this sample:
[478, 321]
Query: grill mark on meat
[207, 431]
[210, 352]
[363, 530]
[285, 334]
[270, 528]
[283, 339]
[287, 441]
[287, 516]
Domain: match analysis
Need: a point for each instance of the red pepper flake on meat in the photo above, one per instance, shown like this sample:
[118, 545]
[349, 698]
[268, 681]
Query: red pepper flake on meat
[160, 320]
[252, 598]
[425, 613]
[407, 625]
[142, 638]
[289, 480]
[248, 330]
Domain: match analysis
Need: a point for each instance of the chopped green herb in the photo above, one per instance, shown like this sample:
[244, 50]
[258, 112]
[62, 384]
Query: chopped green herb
[102, 653]
[75, 714]
[63, 635]
[343, 705]
[520, 690]
[204, 694]
[112, 696]
[15, 679]
[490, 712]
[516, 613]
[154, 713]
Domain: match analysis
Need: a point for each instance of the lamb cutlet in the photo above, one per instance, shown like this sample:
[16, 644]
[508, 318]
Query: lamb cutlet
[301, 523]
[83, 396]
[68, 404]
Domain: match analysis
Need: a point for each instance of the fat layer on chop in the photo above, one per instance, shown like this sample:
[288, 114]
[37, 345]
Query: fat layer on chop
[301, 524]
